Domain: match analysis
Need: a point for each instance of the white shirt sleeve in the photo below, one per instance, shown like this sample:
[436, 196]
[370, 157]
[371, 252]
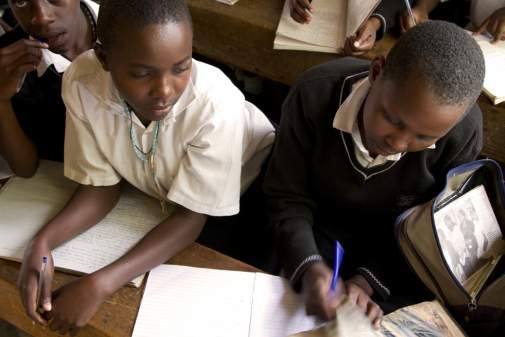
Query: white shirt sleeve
[83, 160]
[208, 178]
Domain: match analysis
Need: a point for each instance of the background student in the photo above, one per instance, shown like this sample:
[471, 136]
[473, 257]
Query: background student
[33, 57]
[373, 29]
[139, 108]
[358, 144]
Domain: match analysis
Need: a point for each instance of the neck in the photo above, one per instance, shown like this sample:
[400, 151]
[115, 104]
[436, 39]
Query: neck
[84, 36]
[362, 129]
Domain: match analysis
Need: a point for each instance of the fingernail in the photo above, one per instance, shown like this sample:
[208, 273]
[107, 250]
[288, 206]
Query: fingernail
[356, 43]
[47, 306]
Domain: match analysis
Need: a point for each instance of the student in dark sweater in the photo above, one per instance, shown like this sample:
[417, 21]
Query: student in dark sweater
[33, 57]
[361, 142]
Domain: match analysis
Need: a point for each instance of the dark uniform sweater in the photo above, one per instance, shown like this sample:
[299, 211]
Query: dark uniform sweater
[318, 191]
[39, 107]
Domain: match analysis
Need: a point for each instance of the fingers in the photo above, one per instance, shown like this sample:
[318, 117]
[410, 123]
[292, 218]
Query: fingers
[374, 313]
[47, 288]
[29, 299]
[300, 11]
[482, 27]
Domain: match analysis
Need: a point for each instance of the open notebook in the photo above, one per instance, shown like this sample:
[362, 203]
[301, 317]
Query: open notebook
[494, 56]
[332, 21]
[186, 302]
[27, 204]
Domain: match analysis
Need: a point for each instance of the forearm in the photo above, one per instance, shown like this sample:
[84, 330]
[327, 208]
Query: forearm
[167, 239]
[15, 146]
[87, 207]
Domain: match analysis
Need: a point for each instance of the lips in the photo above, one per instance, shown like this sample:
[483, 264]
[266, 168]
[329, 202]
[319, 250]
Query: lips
[55, 39]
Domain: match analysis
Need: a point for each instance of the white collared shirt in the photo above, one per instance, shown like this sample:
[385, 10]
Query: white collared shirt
[210, 146]
[346, 120]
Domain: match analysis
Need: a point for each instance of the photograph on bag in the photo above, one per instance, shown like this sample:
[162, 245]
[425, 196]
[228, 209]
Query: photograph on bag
[468, 233]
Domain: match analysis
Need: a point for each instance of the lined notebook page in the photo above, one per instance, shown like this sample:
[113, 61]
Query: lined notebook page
[27, 204]
[277, 310]
[326, 29]
[187, 302]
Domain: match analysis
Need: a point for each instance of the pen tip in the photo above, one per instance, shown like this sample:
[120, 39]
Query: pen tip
[44, 259]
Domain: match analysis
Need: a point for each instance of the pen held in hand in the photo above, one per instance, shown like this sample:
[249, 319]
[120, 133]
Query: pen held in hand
[409, 10]
[337, 261]
[42, 274]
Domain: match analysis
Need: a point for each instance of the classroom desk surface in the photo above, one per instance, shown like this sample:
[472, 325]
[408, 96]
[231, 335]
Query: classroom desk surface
[116, 316]
[242, 35]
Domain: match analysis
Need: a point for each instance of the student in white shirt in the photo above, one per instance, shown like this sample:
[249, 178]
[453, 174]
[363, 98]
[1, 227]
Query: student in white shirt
[139, 108]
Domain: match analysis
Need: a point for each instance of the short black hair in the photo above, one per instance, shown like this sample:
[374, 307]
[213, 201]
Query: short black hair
[445, 57]
[138, 13]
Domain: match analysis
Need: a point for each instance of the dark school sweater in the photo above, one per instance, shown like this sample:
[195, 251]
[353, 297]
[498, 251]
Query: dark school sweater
[318, 192]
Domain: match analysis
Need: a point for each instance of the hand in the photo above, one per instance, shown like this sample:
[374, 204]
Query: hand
[364, 39]
[495, 25]
[75, 303]
[358, 292]
[16, 60]
[28, 281]
[300, 10]
[316, 284]
[419, 13]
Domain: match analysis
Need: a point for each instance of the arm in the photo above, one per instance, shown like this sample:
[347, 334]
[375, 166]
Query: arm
[495, 25]
[76, 303]
[16, 60]
[87, 206]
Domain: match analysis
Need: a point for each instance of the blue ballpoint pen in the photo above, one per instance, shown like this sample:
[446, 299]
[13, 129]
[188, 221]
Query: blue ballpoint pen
[337, 261]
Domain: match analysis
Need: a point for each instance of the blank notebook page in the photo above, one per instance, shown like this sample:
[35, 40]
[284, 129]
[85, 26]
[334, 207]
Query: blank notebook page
[188, 302]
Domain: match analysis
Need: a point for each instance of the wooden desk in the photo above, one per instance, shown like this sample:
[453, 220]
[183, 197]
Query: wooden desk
[242, 35]
[116, 316]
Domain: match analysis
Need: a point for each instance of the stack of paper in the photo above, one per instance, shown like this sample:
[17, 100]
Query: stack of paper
[332, 22]
[28, 204]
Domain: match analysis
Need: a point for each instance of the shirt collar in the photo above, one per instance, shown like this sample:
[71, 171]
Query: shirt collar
[346, 117]
[59, 62]
[111, 97]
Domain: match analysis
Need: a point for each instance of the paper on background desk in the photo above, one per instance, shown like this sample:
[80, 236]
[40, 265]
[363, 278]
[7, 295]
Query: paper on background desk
[183, 301]
[494, 56]
[27, 204]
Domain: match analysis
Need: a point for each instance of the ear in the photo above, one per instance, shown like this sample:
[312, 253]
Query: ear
[101, 55]
[376, 68]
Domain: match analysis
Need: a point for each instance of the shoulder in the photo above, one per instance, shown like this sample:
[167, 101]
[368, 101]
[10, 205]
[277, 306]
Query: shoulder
[212, 85]
[321, 89]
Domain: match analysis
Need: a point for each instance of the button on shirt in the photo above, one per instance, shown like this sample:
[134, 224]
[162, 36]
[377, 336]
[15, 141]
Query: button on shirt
[210, 147]
[346, 120]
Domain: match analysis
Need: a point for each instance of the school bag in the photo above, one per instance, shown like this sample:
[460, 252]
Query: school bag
[442, 239]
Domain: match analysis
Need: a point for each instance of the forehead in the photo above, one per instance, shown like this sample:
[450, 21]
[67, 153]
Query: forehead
[417, 107]
[165, 41]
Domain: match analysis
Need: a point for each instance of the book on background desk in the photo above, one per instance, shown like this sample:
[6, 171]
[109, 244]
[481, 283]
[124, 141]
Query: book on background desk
[423, 319]
[332, 22]
[184, 301]
[26, 205]
[494, 56]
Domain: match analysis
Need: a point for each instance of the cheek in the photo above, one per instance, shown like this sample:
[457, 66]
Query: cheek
[181, 83]
[133, 91]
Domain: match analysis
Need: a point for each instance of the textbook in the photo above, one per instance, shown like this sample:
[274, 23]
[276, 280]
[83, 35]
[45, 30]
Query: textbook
[5, 171]
[470, 237]
[26, 205]
[184, 301]
[423, 319]
[332, 22]
[494, 56]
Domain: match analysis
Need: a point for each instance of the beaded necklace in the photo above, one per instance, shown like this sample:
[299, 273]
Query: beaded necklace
[144, 156]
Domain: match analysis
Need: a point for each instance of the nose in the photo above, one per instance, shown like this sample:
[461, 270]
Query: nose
[399, 141]
[42, 15]
[162, 88]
